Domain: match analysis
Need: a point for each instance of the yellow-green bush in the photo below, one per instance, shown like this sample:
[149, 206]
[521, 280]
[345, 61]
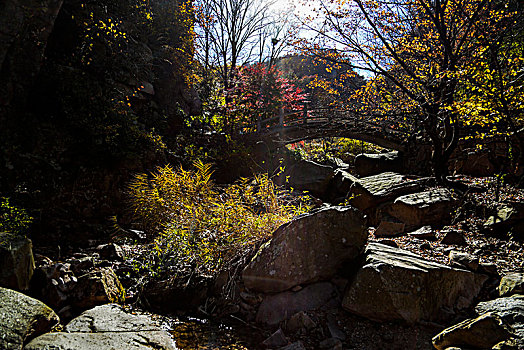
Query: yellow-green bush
[13, 219]
[199, 226]
[322, 150]
[345, 145]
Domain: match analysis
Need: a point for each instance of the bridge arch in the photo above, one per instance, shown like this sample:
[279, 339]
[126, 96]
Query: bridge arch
[296, 134]
[322, 123]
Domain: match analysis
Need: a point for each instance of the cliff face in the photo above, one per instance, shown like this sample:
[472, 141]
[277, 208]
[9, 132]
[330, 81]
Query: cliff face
[25, 26]
[86, 89]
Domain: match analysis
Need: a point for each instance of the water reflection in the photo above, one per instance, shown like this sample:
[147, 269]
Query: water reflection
[196, 334]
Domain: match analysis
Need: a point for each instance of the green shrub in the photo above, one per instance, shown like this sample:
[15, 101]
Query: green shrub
[324, 150]
[199, 227]
[13, 219]
[345, 145]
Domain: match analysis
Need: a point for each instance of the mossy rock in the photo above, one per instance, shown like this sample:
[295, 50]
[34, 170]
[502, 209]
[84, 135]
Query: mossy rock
[511, 284]
[22, 318]
[16, 261]
[98, 287]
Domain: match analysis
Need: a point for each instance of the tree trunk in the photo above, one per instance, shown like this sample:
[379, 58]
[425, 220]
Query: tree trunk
[440, 165]
[444, 140]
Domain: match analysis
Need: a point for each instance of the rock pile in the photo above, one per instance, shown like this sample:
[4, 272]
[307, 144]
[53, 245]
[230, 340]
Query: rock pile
[318, 263]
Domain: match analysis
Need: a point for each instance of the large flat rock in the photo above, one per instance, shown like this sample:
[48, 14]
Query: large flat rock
[309, 248]
[395, 284]
[368, 192]
[22, 318]
[109, 318]
[158, 340]
[106, 327]
[432, 207]
[367, 164]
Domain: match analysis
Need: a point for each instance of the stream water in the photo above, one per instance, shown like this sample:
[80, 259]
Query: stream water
[191, 333]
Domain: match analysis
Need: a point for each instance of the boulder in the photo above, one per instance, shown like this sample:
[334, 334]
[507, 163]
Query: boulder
[53, 284]
[473, 162]
[109, 318]
[483, 332]
[464, 260]
[511, 284]
[300, 323]
[425, 232]
[110, 251]
[106, 327]
[22, 318]
[341, 183]
[395, 284]
[16, 261]
[98, 287]
[57, 285]
[432, 207]
[369, 192]
[510, 310]
[81, 266]
[309, 176]
[367, 164]
[172, 295]
[279, 307]
[389, 228]
[452, 236]
[307, 249]
[509, 217]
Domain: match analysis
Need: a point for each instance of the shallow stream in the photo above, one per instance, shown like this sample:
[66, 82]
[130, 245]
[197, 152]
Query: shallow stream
[191, 333]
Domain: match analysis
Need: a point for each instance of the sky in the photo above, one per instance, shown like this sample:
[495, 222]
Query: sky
[299, 6]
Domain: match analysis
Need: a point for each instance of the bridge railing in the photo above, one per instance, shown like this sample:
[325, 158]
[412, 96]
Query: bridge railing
[335, 118]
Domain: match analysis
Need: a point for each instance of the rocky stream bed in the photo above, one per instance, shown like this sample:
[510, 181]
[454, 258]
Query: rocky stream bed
[398, 264]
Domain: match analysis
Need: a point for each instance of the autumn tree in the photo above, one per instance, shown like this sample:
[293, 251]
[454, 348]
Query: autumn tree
[231, 36]
[416, 52]
[227, 34]
[274, 39]
[261, 92]
[326, 84]
[492, 91]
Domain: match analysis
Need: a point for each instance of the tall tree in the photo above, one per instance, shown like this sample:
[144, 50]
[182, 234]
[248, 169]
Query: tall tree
[416, 52]
[228, 32]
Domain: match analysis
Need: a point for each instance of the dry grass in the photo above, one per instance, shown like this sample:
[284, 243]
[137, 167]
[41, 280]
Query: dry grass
[199, 227]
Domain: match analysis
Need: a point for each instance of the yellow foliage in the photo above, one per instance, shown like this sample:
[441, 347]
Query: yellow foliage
[201, 225]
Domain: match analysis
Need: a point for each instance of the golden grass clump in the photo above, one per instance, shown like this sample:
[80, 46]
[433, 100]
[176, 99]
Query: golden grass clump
[202, 227]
